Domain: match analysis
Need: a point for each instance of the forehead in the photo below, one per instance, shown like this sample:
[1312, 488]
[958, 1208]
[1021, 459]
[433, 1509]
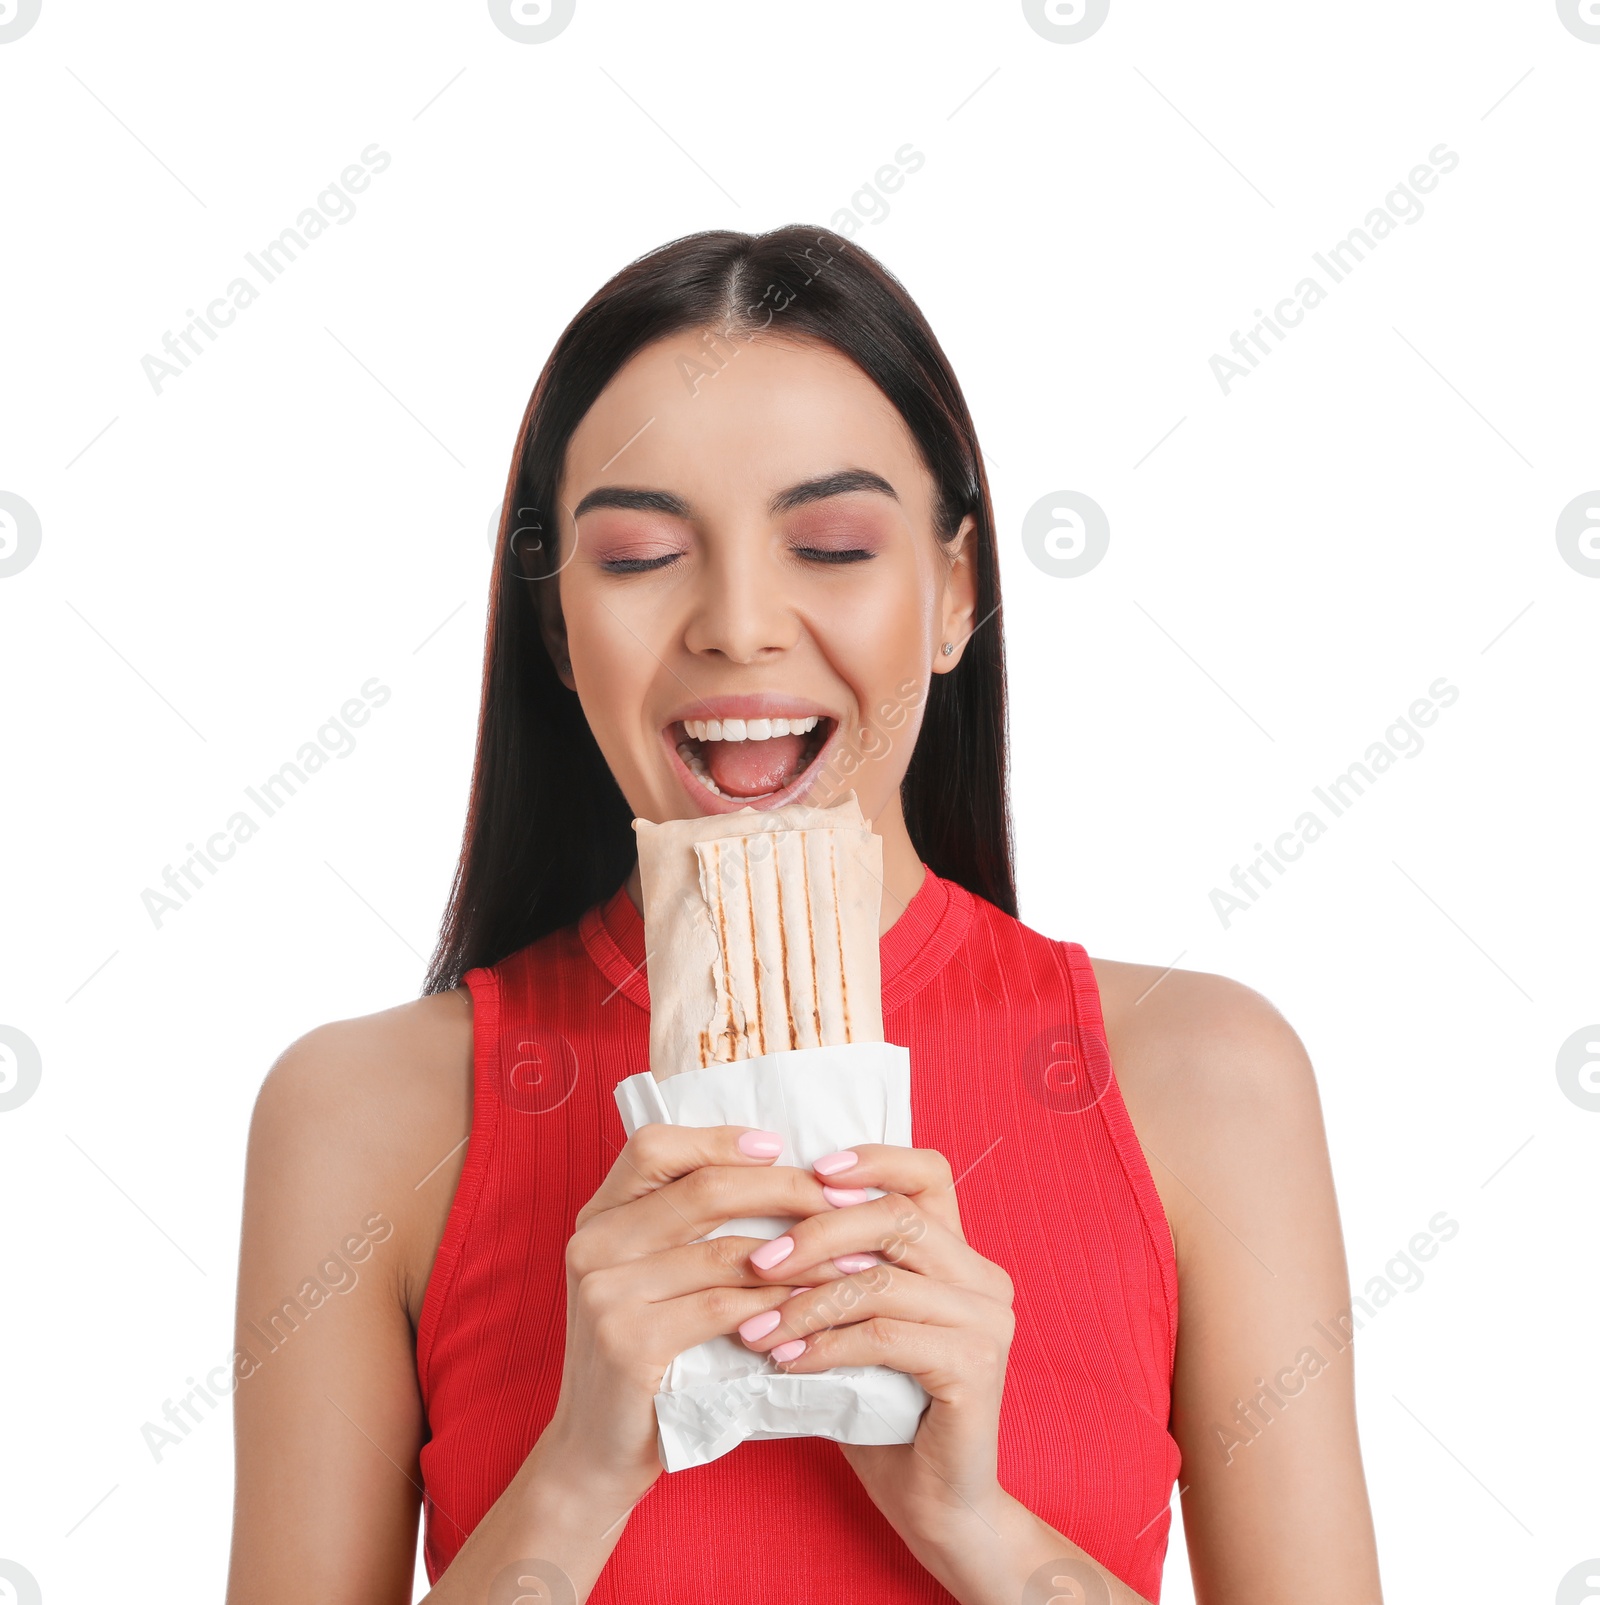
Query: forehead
[775, 412]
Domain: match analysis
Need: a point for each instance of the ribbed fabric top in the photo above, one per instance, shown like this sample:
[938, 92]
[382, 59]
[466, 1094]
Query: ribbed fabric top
[1011, 1080]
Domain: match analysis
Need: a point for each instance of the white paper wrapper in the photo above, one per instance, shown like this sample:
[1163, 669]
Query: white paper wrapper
[819, 1100]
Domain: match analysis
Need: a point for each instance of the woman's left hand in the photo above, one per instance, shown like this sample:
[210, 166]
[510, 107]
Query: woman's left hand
[914, 1297]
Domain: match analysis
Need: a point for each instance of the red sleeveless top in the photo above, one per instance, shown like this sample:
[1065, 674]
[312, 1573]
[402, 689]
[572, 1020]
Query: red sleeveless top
[1010, 1079]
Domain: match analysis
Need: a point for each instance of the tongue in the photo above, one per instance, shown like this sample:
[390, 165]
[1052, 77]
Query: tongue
[749, 768]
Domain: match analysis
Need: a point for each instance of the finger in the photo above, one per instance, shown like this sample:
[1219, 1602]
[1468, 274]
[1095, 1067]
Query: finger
[879, 1290]
[946, 1360]
[657, 1154]
[672, 1272]
[767, 1318]
[693, 1206]
[665, 1330]
[922, 1174]
[889, 1229]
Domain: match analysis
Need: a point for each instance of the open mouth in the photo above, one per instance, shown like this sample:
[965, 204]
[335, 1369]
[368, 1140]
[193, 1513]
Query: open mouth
[750, 763]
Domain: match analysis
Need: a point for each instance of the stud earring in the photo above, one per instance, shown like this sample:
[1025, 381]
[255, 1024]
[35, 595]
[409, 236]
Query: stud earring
[949, 647]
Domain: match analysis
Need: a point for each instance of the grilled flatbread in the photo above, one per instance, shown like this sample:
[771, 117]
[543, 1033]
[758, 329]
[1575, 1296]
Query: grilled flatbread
[761, 933]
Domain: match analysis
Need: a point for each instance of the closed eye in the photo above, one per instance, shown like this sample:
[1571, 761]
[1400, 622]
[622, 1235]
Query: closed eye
[816, 554]
[833, 554]
[637, 565]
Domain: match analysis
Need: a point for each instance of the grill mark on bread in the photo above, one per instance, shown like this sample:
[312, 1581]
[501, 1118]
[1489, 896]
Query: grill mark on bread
[811, 933]
[838, 931]
[736, 1027]
[727, 1033]
[783, 946]
[755, 957]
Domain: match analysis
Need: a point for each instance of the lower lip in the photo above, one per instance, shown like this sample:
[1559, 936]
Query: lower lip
[708, 802]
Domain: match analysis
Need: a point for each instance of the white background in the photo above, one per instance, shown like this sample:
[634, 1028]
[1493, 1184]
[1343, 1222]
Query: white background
[1291, 565]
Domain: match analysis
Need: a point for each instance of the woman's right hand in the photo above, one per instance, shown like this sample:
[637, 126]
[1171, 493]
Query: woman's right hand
[641, 1290]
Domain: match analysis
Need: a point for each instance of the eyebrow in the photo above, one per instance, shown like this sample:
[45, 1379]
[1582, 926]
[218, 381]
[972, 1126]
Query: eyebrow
[844, 483]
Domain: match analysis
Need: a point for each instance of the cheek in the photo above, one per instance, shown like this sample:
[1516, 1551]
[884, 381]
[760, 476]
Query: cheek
[879, 621]
[615, 654]
[877, 641]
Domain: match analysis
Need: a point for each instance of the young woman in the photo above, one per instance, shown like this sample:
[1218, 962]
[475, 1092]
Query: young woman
[747, 489]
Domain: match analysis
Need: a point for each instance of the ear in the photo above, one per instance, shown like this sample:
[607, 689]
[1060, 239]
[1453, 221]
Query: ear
[553, 626]
[960, 600]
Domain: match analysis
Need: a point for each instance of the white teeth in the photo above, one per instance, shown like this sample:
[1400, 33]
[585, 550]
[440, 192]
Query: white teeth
[692, 762]
[748, 729]
[734, 730]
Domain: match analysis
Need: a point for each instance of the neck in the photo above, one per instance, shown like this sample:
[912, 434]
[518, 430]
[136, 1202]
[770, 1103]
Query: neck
[902, 868]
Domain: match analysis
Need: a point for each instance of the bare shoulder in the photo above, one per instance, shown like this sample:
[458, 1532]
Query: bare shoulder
[1191, 1044]
[1208, 1068]
[371, 1114]
[1224, 1101]
[419, 1050]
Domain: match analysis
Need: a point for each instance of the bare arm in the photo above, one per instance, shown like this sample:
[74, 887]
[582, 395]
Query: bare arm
[337, 1242]
[1224, 1099]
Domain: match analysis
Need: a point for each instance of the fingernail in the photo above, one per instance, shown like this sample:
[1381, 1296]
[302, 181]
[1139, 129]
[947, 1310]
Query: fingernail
[794, 1290]
[770, 1254]
[845, 1195]
[851, 1263]
[829, 1163]
[788, 1351]
[759, 1325]
[760, 1144]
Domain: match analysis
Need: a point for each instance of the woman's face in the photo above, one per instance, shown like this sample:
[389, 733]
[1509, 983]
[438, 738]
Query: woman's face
[746, 544]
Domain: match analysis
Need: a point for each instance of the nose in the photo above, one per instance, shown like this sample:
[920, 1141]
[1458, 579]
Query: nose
[741, 611]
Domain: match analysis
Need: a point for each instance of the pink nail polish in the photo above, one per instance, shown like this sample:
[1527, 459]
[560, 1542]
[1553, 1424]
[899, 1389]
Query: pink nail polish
[772, 1253]
[829, 1164]
[760, 1144]
[794, 1290]
[845, 1195]
[759, 1325]
[851, 1263]
[788, 1351]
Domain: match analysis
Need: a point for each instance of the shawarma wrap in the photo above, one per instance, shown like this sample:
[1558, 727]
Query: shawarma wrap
[761, 933]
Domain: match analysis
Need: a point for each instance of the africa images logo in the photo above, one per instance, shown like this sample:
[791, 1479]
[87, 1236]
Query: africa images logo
[532, 22]
[1066, 22]
[20, 532]
[16, 18]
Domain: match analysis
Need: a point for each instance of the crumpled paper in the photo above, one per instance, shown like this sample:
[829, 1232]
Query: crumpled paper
[819, 1100]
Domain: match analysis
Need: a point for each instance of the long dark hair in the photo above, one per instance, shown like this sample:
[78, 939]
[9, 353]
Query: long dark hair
[548, 831]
